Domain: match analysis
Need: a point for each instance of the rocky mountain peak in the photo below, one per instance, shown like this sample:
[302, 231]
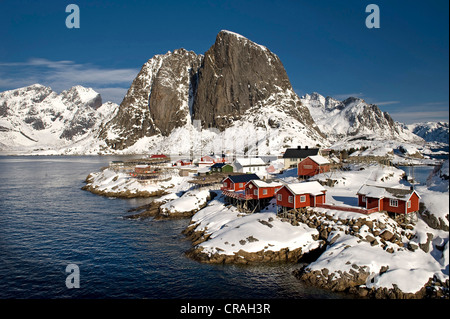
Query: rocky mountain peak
[81, 96]
[236, 75]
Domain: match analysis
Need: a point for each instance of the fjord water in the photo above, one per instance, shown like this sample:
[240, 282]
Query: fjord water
[47, 222]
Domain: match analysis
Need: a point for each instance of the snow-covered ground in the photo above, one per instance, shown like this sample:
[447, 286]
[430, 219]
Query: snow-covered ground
[231, 231]
[390, 254]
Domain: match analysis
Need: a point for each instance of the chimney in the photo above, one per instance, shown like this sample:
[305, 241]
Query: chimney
[306, 147]
[299, 147]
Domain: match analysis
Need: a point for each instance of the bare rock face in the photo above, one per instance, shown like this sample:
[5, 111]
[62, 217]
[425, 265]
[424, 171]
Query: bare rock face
[236, 74]
[157, 101]
[172, 91]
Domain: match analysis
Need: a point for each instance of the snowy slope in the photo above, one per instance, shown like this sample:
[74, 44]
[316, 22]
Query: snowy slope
[353, 118]
[431, 131]
[37, 118]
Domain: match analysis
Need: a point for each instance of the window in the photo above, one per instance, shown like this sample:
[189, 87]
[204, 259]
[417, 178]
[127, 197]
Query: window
[302, 198]
[279, 197]
[363, 199]
[265, 191]
[409, 204]
[306, 166]
[255, 192]
[225, 184]
[393, 203]
[241, 185]
[291, 199]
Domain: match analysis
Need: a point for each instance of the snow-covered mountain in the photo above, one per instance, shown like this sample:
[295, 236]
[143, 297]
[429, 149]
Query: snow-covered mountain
[37, 118]
[431, 131]
[236, 97]
[238, 89]
[353, 119]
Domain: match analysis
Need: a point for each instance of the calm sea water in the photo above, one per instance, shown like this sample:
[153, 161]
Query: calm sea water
[420, 173]
[48, 222]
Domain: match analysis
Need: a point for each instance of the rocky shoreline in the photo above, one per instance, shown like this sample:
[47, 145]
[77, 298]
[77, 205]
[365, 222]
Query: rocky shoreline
[378, 230]
[354, 282]
[240, 257]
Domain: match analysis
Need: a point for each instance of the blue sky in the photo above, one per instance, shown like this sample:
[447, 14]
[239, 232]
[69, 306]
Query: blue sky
[325, 46]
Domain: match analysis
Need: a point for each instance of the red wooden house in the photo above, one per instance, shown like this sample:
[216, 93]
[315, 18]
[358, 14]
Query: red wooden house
[313, 165]
[258, 189]
[389, 199]
[299, 195]
[235, 183]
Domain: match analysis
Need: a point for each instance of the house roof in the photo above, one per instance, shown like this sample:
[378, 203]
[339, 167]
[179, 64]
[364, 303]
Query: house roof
[260, 183]
[313, 188]
[300, 152]
[218, 165]
[378, 191]
[319, 159]
[250, 162]
[243, 178]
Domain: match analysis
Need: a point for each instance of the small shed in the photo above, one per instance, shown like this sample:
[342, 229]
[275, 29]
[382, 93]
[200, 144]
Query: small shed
[313, 165]
[298, 195]
[221, 168]
[389, 199]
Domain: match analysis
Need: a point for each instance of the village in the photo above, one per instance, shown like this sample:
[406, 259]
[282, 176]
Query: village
[377, 233]
[250, 183]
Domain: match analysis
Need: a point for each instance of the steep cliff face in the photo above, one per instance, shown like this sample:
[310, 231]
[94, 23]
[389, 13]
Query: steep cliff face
[236, 75]
[157, 101]
[234, 78]
[172, 91]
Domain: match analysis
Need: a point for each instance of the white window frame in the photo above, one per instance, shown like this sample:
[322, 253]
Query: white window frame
[302, 198]
[280, 197]
[255, 192]
[393, 202]
[291, 199]
[409, 204]
[241, 185]
[363, 198]
[264, 191]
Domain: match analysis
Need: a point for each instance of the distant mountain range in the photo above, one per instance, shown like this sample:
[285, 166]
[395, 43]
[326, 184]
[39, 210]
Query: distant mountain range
[236, 97]
[431, 131]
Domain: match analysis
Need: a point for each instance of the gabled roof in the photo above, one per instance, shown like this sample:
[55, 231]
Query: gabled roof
[250, 162]
[260, 183]
[320, 160]
[313, 188]
[300, 152]
[243, 178]
[378, 191]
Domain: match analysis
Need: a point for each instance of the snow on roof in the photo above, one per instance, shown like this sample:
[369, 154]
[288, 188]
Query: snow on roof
[378, 191]
[319, 159]
[243, 178]
[250, 161]
[313, 188]
[203, 170]
[142, 166]
[261, 183]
